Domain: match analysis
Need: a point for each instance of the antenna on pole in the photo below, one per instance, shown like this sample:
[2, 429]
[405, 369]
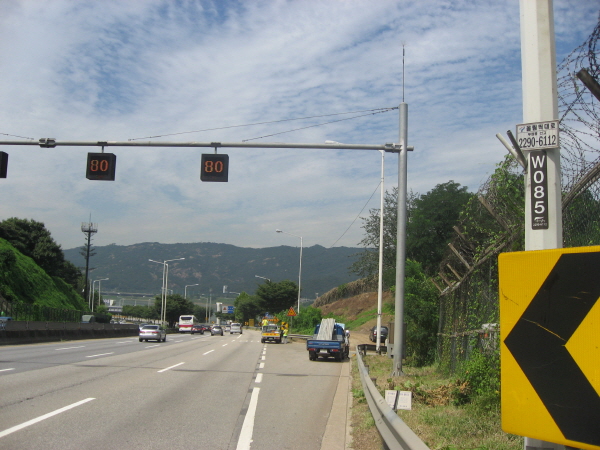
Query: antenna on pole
[403, 52]
[89, 229]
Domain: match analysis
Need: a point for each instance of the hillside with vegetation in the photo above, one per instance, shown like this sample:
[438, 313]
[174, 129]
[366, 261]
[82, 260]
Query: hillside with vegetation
[23, 281]
[211, 266]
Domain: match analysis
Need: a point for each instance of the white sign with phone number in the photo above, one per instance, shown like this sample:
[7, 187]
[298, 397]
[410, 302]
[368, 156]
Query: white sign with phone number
[538, 135]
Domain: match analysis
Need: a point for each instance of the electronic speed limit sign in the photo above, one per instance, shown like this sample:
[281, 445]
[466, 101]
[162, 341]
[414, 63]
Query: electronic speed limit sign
[214, 167]
[101, 166]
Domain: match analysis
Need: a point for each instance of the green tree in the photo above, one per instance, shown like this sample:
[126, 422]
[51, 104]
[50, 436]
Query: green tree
[429, 228]
[368, 262]
[275, 297]
[505, 196]
[430, 218]
[305, 321]
[143, 312]
[176, 306]
[581, 228]
[32, 239]
[421, 306]
[246, 307]
[102, 314]
[200, 312]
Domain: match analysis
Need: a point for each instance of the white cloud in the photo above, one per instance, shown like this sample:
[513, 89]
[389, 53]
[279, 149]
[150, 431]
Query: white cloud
[118, 70]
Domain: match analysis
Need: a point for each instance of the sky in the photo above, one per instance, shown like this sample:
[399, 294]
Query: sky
[276, 71]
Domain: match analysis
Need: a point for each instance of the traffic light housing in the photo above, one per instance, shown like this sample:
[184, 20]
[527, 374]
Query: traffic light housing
[3, 164]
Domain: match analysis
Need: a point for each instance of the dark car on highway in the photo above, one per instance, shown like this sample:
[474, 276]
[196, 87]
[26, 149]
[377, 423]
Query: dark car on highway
[199, 328]
[373, 334]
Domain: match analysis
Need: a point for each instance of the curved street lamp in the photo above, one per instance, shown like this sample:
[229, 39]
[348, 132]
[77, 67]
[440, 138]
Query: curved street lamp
[300, 270]
[185, 289]
[93, 291]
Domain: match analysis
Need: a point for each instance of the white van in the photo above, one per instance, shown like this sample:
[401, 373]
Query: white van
[235, 328]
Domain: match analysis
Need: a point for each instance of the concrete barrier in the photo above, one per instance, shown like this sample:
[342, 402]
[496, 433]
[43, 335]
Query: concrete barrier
[28, 332]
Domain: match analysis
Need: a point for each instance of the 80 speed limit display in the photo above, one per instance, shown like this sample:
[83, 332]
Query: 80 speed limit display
[214, 167]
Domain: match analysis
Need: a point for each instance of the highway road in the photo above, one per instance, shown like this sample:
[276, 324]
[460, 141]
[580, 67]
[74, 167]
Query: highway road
[200, 391]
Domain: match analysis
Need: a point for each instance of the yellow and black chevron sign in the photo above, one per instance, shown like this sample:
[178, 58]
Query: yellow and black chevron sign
[550, 345]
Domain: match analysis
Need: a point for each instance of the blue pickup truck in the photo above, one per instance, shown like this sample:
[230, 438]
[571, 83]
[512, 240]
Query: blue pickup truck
[329, 341]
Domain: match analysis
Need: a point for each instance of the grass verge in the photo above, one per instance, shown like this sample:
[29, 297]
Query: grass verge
[364, 432]
[437, 415]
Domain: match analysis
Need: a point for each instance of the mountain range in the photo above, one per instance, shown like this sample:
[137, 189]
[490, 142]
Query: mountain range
[212, 266]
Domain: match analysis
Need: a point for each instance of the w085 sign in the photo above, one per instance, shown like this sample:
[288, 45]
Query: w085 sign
[539, 189]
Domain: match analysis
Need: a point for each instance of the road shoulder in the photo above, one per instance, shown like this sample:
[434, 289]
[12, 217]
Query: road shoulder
[337, 430]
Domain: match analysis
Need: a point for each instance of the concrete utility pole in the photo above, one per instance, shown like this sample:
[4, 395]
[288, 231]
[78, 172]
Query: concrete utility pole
[540, 104]
[401, 243]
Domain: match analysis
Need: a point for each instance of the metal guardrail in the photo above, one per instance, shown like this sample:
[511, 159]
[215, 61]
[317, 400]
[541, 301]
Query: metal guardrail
[394, 432]
[300, 336]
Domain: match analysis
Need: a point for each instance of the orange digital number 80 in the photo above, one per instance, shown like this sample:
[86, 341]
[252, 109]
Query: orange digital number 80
[101, 166]
[96, 165]
[214, 167]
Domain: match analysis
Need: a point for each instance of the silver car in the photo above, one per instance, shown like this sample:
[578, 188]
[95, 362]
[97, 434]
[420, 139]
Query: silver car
[153, 333]
[216, 329]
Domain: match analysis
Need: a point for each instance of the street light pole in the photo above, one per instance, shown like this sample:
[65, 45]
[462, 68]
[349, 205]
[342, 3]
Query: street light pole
[300, 270]
[163, 303]
[264, 278]
[185, 289]
[94, 292]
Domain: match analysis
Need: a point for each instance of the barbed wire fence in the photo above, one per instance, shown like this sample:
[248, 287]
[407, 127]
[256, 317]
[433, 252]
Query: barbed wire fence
[493, 221]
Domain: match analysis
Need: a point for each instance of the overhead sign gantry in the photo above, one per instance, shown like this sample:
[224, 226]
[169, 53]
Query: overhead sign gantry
[213, 167]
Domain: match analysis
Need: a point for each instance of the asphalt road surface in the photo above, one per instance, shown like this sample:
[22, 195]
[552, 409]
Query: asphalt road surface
[200, 391]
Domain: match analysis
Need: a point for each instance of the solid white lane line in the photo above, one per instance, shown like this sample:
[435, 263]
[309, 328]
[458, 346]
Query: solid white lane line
[248, 427]
[101, 354]
[207, 352]
[169, 368]
[44, 417]
[258, 377]
[69, 348]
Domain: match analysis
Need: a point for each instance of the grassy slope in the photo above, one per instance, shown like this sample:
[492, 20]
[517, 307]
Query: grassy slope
[21, 280]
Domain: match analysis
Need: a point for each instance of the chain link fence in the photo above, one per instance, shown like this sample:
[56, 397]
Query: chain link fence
[26, 311]
[493, 221]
